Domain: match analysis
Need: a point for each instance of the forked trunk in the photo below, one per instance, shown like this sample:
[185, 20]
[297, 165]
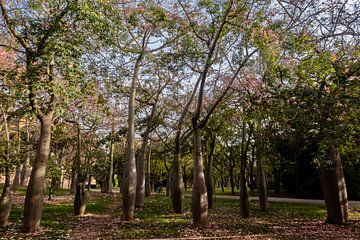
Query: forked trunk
[199, 206]
[80, 200]
[34, 200]
[209, 175]
[334, 188]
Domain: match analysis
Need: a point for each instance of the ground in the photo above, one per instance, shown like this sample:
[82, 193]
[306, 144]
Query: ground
[103, 221]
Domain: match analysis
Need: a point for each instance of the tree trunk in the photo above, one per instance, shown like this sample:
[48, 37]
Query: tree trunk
[80, 200]
[140, 171]
[334, 188]
[252, 183]
[231, 176]
[5, 201]
[109, 178]
[177, 190]
[222, 178]
[25, 174]
[17, 179]
[73, 177]
[34, 200]
[209, 174]
[148, 174]
[199, 206]
[128, 183]
[244, 196]
[261, 177]
[184, 177]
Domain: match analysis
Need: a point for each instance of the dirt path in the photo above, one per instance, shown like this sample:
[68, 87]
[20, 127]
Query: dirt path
[93, 226]
[284, 200]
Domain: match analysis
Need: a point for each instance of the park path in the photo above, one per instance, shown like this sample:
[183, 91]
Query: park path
[287, 200]
[276, 199]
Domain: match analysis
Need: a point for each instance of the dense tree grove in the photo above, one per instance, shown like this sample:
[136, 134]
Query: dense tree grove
[241, 94]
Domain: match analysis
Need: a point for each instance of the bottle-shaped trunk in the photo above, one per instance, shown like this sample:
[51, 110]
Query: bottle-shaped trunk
[334, 188]
[34, 199]
[80, 200]
[199, 203]
[128, 182]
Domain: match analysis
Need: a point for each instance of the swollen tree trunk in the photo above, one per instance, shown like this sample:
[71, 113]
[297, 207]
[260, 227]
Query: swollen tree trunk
[209, 179]
[334, 188]
[260, 175]
[80, 194]
[80, 200]
[140, 171]
[128, 183]
[199, 205]
[34, 200]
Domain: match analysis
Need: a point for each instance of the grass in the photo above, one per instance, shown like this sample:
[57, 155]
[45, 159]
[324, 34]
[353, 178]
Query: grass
[58, 219]
[156, 220]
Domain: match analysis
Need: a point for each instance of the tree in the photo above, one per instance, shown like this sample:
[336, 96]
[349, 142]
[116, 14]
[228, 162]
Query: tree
[214, 35]
[49, 49]
[5, 200]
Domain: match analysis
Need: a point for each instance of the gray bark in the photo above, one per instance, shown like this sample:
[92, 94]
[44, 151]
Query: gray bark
[128, 183]
[199, 207]
[34, 200]
[334, 188]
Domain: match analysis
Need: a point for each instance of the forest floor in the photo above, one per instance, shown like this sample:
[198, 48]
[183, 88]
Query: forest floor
[156, 221]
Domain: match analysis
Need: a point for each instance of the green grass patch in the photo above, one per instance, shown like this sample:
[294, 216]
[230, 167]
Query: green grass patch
[155, 220]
